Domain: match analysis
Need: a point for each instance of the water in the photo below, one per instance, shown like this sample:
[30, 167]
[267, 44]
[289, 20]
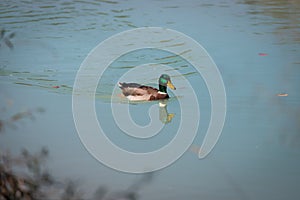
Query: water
[255, 46]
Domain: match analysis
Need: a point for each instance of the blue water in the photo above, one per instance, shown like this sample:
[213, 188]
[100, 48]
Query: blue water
[257, 155]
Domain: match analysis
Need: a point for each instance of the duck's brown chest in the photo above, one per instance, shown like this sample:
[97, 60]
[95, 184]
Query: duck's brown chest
[159, 96]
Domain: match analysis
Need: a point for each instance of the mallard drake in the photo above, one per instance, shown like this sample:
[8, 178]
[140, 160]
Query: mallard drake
[137, 92]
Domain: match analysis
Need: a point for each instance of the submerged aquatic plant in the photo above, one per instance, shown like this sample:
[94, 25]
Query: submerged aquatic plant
[6, 38]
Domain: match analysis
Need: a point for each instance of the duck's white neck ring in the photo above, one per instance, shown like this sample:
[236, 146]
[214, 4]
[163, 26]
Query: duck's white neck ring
[159, 92]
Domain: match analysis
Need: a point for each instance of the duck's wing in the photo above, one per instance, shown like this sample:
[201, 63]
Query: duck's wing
[135, 89]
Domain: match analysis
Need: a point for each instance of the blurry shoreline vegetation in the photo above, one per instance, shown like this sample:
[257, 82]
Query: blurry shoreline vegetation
[26, 177]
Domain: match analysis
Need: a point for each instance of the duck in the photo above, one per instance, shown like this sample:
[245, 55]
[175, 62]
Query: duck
[138, 92]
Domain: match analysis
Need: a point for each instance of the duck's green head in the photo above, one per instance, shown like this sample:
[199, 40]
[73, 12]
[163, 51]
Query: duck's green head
[164, 81]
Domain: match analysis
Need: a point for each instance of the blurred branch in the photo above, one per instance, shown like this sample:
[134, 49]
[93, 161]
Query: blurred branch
[132, 192]
[11, 121]
[71, 192]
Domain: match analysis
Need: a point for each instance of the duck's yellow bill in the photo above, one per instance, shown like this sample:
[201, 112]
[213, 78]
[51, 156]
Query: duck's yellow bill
[170, 85]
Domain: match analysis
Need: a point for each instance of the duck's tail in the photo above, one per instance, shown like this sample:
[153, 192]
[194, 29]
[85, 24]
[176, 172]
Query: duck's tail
[128, 85]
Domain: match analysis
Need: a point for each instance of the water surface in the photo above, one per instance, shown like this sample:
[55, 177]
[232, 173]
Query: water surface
[255, 45]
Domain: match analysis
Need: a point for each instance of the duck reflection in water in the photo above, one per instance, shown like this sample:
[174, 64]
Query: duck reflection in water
[164, 116]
